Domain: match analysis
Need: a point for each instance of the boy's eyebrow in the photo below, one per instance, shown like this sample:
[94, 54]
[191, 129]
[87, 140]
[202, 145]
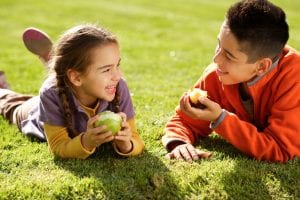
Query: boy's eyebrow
[228, 52]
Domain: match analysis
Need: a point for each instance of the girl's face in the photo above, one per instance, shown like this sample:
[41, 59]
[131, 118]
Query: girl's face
[232, 66]
[101, 79]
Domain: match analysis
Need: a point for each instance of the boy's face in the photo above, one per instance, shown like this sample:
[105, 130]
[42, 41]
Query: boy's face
[232, 66]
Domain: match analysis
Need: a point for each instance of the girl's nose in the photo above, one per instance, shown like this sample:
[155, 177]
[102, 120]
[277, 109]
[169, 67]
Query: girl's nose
[116, 76]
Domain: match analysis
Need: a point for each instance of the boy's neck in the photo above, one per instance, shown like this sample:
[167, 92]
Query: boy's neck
[244, 92]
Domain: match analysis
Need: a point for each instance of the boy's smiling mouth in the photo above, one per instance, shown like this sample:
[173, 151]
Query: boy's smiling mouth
[220, 72]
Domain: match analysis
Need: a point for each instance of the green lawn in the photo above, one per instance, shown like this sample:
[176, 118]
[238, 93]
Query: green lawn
[165, 46]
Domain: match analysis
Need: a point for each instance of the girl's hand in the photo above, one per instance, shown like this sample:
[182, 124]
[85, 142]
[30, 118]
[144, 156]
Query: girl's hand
[210, 113]
[122, 139]
[93, 137]
[187, 152]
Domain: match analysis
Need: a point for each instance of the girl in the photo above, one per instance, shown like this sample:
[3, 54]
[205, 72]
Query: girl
[84, 79]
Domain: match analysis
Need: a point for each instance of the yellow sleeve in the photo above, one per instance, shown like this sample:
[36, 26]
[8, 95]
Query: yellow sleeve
[137, 142]
[62, 145]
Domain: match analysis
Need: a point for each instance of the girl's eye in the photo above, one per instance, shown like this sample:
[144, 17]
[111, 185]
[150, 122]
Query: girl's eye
[107, 70]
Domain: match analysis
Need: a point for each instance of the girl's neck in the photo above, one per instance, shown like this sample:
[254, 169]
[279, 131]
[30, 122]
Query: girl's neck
[88, 102]
[85, 99]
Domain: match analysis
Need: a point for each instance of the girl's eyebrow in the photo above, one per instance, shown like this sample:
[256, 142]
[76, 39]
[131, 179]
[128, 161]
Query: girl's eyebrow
[107, 66]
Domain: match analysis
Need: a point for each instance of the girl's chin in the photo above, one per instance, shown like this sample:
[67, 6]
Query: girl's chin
[110, 98]
[107, 97]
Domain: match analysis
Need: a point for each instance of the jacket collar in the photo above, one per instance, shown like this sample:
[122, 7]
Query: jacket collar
[77, 104]
[267, 74]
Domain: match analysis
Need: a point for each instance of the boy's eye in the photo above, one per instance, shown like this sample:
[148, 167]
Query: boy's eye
[228, 57]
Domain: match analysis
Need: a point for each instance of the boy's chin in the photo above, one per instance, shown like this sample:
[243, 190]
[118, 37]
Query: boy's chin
[227, 82]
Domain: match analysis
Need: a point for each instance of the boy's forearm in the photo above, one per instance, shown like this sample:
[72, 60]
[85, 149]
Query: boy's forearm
[267, 145]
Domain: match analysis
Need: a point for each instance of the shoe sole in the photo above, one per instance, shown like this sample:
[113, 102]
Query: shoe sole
[37, 42]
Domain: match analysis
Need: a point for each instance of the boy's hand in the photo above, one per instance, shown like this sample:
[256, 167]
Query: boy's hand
[187, 152]
[210, 113]
[93, 137]
[123, 138]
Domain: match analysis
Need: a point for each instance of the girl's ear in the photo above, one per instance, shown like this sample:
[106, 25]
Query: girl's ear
[263, 66]
[74, 77]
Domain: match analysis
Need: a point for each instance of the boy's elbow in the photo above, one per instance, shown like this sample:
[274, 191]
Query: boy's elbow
[280, 156]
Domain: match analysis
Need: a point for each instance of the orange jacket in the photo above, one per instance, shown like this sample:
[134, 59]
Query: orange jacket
[273, 135]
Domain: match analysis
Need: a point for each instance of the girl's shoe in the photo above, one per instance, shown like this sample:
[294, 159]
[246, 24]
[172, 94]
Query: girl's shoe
[38, 42]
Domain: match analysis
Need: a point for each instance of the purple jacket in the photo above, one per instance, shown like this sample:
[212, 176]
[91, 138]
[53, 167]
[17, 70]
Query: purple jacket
[50, 109]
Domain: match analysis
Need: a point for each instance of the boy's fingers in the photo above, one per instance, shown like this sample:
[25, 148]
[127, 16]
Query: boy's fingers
[185, 104]
[177, 153]
[207, 102]
[186, 155]
[170, 155]
[203, 154]
[192, 152]
[181, 103]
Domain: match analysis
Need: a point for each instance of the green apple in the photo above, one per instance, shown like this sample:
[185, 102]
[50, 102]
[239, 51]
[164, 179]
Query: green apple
[111, 120]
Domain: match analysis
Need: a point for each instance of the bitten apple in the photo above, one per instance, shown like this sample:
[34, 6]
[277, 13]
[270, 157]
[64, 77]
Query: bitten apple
[111, 120]
[194, 95]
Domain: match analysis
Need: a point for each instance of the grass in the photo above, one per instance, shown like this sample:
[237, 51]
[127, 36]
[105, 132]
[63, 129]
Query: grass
[165, 46]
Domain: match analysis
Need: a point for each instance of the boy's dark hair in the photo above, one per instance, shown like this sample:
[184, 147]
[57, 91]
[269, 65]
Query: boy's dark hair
[260, 27]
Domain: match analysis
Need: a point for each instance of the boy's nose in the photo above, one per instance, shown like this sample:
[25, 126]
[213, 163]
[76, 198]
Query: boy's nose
[218, 56]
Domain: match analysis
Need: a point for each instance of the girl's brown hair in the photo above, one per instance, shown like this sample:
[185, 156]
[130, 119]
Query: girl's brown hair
[73, 51]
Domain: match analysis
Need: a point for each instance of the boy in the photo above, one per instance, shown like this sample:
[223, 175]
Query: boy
[253, 88]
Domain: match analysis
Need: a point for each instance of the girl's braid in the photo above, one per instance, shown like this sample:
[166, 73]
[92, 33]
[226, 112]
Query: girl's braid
[61, 85]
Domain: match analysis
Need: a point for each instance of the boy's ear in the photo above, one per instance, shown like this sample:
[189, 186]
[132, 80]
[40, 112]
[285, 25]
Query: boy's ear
[263, 66]
[74, 77]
